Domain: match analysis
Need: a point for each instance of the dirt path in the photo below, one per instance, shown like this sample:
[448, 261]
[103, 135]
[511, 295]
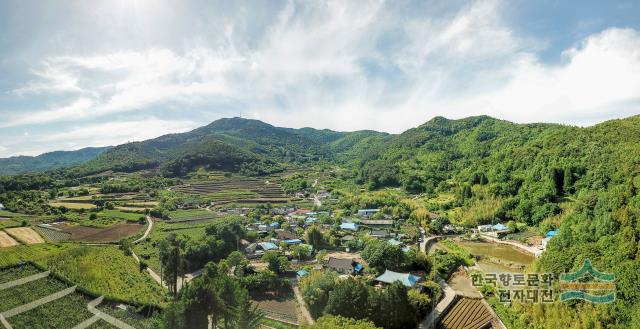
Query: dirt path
[303, 306]
[146, 233]
[520, 246]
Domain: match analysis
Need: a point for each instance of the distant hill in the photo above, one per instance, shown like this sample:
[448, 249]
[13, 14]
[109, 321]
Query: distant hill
[48, 161]
[230, 144]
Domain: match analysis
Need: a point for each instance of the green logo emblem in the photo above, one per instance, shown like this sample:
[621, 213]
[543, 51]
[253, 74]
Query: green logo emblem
[588, 284]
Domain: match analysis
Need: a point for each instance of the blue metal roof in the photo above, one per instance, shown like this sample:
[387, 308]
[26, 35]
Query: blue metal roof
[551, 234]
[359, 267]
[499, 227]
[268, 245]
[407, 279]
[293, 241]
[302, 273]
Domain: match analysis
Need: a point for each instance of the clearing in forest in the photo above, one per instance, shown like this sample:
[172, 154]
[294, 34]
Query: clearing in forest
[25, 235]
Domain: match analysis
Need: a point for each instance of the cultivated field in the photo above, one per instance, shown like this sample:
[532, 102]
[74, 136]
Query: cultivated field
[82, 233]
[6, 240]
[236, 189]
[32, 298]
[279, 305]
[25, 235]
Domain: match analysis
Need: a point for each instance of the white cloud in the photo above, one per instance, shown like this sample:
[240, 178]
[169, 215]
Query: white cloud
[347, 65]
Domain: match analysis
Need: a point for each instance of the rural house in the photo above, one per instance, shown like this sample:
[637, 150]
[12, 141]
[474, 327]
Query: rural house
[345, 265]
[407, 279]
[367, 212]
[377, 222]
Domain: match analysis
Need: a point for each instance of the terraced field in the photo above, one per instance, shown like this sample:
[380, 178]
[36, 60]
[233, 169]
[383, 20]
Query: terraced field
[241, 190]
[34, 299]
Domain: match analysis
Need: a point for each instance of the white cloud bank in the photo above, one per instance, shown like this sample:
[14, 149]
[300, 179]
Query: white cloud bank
[344, 66]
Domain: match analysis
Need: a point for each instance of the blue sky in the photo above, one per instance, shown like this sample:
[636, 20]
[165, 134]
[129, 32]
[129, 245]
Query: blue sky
[94, 73]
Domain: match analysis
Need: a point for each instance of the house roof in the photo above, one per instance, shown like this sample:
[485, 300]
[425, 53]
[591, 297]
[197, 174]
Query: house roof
[376, 222]
[368, 210]
[382, 233]
[347, 237]
[302, 273]
[394, 242]
[349, 226]
[340, 263]
[406, 279]
[293, 241]
[268, 245]
[499, 227]
[551, 234]
[285, 235]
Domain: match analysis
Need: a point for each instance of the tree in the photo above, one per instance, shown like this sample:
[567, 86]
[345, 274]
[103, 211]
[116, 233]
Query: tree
[382, 256]
[315, 289]
[125, 246]
[339, 322]
[143, 266]
[277, 264]
[315, 237]
[349, 299]
[300, 251]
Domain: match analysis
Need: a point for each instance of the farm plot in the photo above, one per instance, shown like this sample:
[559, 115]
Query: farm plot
[53, 235]
[12, 273]
[6, 240]
[46, 302]
[108, 272]
[29, 292]
[73, 205]
[37, 253]
[25, 235]
[236, 190]
[279, 305]
[99, 235]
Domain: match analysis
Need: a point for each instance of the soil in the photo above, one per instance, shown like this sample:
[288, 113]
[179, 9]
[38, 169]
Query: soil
[93, 234]
[26, 235]
[6, 240]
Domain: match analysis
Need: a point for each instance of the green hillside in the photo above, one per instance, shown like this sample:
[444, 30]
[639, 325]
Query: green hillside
[48, 161]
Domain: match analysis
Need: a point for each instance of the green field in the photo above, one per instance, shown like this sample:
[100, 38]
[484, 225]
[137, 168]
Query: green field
[65, 312]
[148, 249]
[101, 270]
[37, 253]
[107, 271]
[105, 218]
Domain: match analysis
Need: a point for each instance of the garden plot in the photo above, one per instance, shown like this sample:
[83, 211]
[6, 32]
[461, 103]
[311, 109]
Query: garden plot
[82, 233]
[6, 240]
[34, 299]
[279, 305]
[25, 235]
[53, 235]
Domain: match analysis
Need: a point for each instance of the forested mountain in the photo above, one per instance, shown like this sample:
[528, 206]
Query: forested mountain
[48, 161]
[235, 144]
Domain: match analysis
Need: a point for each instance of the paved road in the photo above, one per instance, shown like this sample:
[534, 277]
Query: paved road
[449, 298]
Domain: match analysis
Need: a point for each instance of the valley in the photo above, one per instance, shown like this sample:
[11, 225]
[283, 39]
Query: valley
[286, 227]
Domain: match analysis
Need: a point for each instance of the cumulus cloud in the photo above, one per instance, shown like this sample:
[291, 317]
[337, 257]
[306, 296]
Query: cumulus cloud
[343, 65]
